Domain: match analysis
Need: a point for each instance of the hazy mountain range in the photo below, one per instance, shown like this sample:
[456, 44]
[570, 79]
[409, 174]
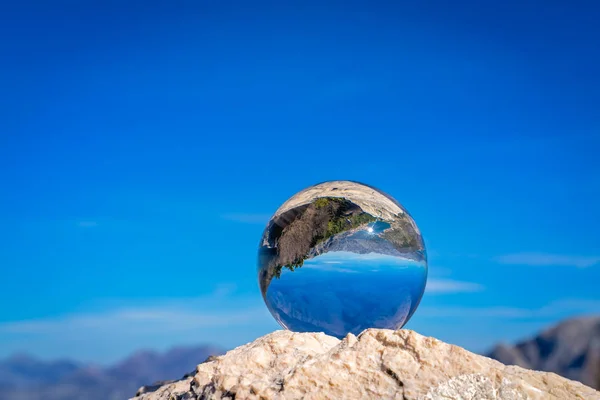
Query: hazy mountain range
[25, 378]
[570, 349]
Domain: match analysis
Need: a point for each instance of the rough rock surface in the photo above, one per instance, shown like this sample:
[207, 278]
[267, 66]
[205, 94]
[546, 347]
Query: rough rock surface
[367, 198]
[378, 364]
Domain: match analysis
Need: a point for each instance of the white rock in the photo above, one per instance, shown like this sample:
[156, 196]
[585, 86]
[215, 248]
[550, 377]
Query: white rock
[378, 364]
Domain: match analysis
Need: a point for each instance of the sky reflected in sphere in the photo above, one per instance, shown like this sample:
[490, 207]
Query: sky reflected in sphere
[341, 257]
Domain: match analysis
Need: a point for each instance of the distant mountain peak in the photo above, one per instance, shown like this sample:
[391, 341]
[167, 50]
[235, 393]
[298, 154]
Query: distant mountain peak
[23, 376]
[570, 348]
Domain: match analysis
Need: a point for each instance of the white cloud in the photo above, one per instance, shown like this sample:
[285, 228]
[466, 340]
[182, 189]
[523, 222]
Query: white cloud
[223, 317]
[446, 286]
[345, 257]
[134, 320]
[224, 289]
[547, 259]
[247, 218]
[559, 308]
[87, 224]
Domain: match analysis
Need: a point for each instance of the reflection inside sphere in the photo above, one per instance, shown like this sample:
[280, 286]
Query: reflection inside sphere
[340, 257]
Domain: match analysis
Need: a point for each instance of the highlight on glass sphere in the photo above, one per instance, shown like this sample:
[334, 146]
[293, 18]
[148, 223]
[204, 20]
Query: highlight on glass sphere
[340, 257]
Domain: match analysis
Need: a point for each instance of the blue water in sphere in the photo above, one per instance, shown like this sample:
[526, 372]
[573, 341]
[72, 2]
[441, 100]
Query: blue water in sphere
[340, 257]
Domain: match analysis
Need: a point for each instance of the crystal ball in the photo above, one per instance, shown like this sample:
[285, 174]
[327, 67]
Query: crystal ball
[340, 257]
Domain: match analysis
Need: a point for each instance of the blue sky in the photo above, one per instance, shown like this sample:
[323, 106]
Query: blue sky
[144, 145]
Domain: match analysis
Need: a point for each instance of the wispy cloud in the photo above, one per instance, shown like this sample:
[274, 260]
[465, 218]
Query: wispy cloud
[559, 308]
[223, 317]
[344, 89]
[448, 286]
[247, 218]
[87, 224]
[347, 257]
[217, 308]
[134, 320]
[224, 289]
[548, 260]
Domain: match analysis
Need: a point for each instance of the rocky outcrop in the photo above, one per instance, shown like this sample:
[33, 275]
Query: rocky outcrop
[378, 364]
[335, 216]
[570, 349]
[370, 200]
[360, 242]
[289, 240]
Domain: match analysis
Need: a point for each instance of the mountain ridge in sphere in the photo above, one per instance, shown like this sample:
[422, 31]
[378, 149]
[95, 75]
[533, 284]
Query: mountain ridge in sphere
[306, 291]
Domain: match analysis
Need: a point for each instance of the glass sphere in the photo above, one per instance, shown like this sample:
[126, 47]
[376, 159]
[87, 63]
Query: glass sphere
[340, 257]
